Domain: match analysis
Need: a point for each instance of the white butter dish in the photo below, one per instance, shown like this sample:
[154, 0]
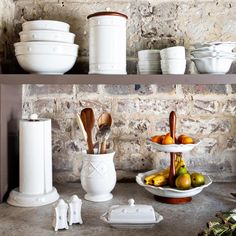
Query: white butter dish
[131, 216]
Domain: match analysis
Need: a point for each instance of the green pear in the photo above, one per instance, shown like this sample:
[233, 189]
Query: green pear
[183, 182]
[197, 179]
[182, 170]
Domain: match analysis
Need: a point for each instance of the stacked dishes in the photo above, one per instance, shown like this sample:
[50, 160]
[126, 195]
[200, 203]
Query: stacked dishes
[149, 62]
[46, 47]
[214, 57]
[173, 60]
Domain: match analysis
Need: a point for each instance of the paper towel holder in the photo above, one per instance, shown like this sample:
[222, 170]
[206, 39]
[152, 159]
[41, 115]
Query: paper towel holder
[29, 194]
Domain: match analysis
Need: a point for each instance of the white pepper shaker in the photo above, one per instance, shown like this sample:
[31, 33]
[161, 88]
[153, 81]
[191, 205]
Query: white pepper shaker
[60, 216]
[74, 214]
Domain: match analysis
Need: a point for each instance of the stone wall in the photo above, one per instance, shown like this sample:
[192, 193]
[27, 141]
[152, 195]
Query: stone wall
[7, 35]
[205, 112]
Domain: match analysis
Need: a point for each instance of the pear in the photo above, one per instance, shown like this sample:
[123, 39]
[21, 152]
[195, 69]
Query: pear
[183, 182]
[197, 179]
[182, 170]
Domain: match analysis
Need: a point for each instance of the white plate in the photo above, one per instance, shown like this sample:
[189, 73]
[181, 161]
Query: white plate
[132, 225]
[174, 147]
[167, 191]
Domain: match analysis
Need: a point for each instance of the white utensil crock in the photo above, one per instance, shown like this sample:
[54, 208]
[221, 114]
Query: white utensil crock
[107, 43]
[98, 176]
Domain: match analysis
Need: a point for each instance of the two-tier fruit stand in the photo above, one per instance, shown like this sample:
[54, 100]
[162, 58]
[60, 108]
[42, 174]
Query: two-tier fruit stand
[169, 194]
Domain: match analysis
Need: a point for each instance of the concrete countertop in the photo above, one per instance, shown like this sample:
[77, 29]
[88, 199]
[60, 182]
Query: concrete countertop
[179, 220]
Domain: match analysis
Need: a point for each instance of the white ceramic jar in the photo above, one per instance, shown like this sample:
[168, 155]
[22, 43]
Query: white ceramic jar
[107, 43]
[98, 176]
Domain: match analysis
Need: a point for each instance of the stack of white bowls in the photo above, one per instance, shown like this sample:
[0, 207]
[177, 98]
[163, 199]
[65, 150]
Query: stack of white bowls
[173, 60]
[149, 62]
[213, 57]
[46, 47]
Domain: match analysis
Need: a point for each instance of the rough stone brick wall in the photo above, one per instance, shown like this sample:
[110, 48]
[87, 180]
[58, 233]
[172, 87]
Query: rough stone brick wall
[205, 112]
[7, 36]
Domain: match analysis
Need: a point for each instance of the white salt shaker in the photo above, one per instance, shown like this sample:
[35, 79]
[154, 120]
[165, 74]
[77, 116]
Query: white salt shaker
[60, 216]
[74, 215]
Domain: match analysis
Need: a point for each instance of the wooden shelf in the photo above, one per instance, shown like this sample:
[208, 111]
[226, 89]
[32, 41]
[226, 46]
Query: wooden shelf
[11, 107]
[18, 79]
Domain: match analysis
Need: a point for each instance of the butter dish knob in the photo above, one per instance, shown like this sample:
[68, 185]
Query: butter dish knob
[131, 202]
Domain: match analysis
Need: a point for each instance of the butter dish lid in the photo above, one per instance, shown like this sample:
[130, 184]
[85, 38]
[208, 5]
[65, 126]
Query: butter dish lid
[132, 214]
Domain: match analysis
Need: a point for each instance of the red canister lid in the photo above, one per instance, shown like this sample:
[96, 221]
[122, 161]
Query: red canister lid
[107, 13]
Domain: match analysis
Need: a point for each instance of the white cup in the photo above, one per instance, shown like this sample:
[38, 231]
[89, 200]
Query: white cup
[177, 52]
[173, 66]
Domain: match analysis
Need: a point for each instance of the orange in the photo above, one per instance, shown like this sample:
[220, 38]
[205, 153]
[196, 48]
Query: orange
[167, 135]
[187, 140]
[167, 140]
[180, 138]
[157, 139]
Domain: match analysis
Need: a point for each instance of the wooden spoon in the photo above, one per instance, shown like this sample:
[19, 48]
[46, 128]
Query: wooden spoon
[172, 120]
[104, 119]
[87, 117]
[104, 124]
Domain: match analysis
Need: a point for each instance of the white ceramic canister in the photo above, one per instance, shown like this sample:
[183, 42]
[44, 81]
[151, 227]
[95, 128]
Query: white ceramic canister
[98, 176]
[107, 43]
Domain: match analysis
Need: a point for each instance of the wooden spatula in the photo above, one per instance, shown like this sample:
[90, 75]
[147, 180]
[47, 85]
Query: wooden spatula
[87, 117]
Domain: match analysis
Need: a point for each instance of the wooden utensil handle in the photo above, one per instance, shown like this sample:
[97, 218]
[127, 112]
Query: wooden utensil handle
[172, 121]
[103, 148]
[90, 144]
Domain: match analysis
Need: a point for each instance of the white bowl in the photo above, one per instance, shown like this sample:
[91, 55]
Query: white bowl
[216, 46]
[149, 72]
[200, 54]
[168, 191]
[46, 48]
[174, 147]
[46, 25]
[174, 66]
[47, 35]
[46, 63]
[151, 54]
[149, 66]
[177, 52]
[213, 65]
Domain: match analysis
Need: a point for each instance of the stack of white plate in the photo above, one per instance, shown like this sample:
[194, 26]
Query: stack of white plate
[213, 57]
[173, 60]
[149, 62]
[46, 47]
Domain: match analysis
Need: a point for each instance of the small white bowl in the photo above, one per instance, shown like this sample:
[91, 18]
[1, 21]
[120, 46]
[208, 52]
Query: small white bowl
[47, 35]
[173, 66]
[148, 72]
[149, 66]
[200, 54]
[216, 46]
[213, 65]
[149, 55]
[46, 25]
[46, 63]
[46, 48]
[177, 52]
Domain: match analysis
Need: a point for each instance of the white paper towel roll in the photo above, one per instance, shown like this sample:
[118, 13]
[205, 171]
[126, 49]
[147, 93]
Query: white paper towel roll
[35, 156]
